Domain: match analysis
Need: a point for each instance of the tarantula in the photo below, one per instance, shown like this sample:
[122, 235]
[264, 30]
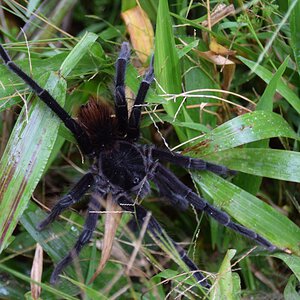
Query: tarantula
[123, 167]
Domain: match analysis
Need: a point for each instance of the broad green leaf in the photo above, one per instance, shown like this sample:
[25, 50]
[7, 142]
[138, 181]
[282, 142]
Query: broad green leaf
[265, 162]
[251, 212]
[224, 288]
[282, 87]
[25, 157]
[244, 129]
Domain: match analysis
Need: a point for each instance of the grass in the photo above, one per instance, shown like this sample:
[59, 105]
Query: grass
[226, 92]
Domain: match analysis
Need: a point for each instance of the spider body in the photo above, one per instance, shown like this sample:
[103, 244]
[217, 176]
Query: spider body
[126, 168]
[123, 167]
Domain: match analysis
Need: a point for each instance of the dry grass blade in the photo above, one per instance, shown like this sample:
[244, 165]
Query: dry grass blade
[112, 220]
[36, 272]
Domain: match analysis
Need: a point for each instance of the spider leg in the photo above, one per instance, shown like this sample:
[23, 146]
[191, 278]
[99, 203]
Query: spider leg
[158, 232]
[135, 115]
[190, 162]
[120, 99]
[72, 197]
[172, 188]
[78, 132]
[85, 236]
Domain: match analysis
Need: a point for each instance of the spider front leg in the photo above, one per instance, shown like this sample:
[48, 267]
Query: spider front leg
[85, 236]
[180, 195]
[78, 132]
[120, 99]
[190, 162]
[158, 233]
[72, 197]
[135, 115]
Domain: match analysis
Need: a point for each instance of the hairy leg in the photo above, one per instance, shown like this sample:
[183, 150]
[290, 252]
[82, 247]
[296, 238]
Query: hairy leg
[120, 100]
[135, 115]
[72, 197]
[158, 233]
[85, 236]
[78, 132]
[190, 162]
[180, 195]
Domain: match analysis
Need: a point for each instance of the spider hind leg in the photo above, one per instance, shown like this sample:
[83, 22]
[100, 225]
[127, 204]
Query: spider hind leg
[169, 184]
[84, 237]
[190, 162]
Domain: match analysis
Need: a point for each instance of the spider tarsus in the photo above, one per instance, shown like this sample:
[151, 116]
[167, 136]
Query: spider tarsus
[42, 225]
[149, 75]
[61, 265]
[219, 169]
[125, 51]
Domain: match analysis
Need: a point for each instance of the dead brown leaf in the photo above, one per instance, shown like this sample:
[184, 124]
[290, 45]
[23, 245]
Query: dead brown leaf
[220, 12]
[140, 30]
[112, 220]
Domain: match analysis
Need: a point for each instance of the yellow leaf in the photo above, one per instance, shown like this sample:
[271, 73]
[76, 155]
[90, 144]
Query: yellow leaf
[140, 30]
[215, 47]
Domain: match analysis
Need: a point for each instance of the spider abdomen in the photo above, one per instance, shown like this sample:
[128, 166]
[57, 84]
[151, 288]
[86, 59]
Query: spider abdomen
[99, 120]
[124, 166]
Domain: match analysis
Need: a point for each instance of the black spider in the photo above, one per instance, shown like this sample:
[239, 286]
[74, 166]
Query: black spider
[123, 167]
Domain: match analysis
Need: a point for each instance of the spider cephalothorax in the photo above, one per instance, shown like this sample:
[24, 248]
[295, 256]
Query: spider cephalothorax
[123, 167]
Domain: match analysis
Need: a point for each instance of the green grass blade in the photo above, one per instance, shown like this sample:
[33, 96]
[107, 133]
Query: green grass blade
[251, 212]
[282, 87]
[266, 100]
[272, 163]
[77, 53]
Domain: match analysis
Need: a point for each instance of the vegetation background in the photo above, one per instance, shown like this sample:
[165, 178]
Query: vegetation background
[227, 90]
